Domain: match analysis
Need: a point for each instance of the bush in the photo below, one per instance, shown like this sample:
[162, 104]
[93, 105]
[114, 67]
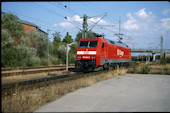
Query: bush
[44, 61]
[34, 61]
[61, 51]
[165, 70]
[168, 60]
[42, 46]
[6, 39]
[22, 55]
[134, 68]
[163, 61]
[144, 69]
[8, 57]
[26, 56]
[39, 42]
[71, 58]
[55, 60]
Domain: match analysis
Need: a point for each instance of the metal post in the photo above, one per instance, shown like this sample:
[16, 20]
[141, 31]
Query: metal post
[67, 58]
[85, 17]
[153, 54]
[48, 44]
[142, 58]
[161, 47]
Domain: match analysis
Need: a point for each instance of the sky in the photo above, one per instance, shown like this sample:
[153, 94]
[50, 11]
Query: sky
[142, 23]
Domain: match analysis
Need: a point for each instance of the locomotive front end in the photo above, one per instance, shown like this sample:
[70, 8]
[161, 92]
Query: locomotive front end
[86, 54]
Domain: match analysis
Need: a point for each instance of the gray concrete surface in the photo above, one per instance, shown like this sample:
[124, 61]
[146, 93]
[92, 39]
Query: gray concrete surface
[129, 93]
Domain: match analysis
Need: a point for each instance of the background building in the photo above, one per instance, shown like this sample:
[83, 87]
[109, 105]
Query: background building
[30, 27]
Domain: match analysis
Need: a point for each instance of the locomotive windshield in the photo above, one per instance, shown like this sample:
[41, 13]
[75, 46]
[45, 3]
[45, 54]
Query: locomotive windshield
[88, 44]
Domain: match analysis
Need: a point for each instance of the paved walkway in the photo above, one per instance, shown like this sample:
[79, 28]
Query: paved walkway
[129, 93]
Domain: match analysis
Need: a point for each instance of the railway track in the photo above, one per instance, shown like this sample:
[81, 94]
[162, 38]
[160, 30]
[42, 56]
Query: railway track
[24, 71]
[25, 68]
[10, 88]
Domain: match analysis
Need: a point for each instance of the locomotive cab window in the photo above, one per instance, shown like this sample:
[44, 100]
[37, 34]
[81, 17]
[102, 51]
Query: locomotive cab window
[103, 45]
[83, 43]
[93, 44]
[88, 44]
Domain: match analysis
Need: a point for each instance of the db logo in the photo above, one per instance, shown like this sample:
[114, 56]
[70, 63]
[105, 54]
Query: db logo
[86, 52]
[120, 53]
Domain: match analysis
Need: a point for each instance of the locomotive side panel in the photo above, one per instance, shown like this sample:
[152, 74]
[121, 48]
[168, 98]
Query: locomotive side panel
[116, 54]
[101, 51]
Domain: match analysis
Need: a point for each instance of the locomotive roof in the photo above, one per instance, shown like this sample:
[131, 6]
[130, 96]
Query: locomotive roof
[112, 42]
[116, 43]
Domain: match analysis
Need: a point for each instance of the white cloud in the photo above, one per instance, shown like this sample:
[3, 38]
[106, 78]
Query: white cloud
[166, 11]
[103, 22]
[75, 18]
[131, 23]
[166, 23]
[129, 15]
[54, 25]
[65, 24]
[141, 13]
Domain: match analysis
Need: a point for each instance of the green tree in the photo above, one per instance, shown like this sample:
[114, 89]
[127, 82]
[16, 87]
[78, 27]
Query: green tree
[61, 52]
[57, 37]
[6, 39]
[71, 58]
[13, 25]
[90, 34]
[68, 39]
[73, 48]
[8, 57]
[42, 45]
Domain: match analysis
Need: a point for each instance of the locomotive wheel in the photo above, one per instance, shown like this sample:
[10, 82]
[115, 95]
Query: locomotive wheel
[106, 66]
[87, 69]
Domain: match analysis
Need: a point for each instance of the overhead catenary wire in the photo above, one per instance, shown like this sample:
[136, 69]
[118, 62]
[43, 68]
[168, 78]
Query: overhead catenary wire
[60, 16]
[97, 10]
[44, 22]
[94, 6]
[50, 10]
[65, 8]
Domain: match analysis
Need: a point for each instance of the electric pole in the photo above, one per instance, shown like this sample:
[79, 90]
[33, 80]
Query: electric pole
[48, 44]
[119, 34]
[161, 47]
[67, 57]
[85, 25]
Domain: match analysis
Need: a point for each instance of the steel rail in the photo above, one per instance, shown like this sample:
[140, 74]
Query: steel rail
[24, 72]
[25, 68]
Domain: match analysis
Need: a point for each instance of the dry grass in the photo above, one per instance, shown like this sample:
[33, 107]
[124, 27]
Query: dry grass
[160, 69]
[150, 69]
[29, 100]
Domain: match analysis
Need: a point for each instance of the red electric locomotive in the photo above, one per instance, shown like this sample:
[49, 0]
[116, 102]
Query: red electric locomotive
[95, 53]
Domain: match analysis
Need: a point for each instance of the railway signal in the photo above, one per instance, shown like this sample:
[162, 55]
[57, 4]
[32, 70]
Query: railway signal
[67, 55]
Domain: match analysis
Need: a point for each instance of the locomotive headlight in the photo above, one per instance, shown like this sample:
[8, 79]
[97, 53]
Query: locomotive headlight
[93, 57]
